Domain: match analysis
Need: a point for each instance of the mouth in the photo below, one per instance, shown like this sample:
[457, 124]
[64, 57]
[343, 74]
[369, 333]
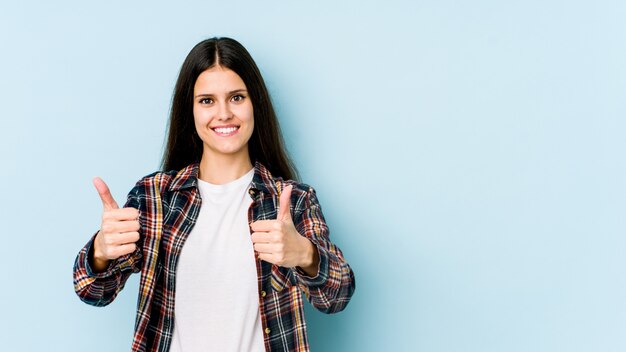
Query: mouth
[225, 131]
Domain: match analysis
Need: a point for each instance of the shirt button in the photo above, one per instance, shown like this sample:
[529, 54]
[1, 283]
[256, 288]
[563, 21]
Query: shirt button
[267, 331]
[263, 293]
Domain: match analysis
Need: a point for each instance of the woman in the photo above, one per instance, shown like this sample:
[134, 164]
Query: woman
[224, 239]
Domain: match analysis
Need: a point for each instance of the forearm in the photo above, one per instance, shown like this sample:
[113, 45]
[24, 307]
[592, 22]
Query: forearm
[329, 284]
[98, 265]
[101, 288]
[311, 261]
[332, 286]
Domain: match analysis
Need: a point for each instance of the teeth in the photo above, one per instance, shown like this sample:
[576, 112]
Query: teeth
[225, 130]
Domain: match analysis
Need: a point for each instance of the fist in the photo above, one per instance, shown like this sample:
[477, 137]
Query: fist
[278, 242]
[119, 230]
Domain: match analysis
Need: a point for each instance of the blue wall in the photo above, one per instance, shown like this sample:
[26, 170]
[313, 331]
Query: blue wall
[469, 157]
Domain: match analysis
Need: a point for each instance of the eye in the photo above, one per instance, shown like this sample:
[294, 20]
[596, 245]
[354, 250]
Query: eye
[238, 98]
[205, 101]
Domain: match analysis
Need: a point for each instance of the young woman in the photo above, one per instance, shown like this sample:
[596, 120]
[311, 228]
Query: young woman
[225, 240]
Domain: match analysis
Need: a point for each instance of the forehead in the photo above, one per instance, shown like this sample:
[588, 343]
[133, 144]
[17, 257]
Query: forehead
[216, 80]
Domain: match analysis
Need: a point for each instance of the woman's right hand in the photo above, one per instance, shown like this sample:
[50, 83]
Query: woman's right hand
[118, 233]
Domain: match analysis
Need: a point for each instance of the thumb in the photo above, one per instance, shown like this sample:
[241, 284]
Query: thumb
[284, 210]
[105, 195]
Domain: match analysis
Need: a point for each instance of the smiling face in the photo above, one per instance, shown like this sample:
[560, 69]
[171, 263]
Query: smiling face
[223, 113]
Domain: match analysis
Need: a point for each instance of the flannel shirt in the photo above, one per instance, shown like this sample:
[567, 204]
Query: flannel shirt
[169, 203]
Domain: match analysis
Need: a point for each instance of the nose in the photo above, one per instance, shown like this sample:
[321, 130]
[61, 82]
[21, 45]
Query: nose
[224, 113]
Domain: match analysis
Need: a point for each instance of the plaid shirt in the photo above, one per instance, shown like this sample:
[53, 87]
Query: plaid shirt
[169, 204]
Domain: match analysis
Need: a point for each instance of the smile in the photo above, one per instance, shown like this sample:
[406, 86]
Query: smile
[225, 130]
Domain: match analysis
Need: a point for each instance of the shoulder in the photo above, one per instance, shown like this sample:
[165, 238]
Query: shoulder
[162, 177]
[165, 181]
[300, 188]
[266, 182]
[301, 193]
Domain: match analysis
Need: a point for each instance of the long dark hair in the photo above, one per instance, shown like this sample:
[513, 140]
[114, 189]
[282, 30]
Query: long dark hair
[266, 144]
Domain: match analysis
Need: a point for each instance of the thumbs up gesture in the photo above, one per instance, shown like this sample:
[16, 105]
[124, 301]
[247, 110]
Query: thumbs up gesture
[119, 230]
[278, 242]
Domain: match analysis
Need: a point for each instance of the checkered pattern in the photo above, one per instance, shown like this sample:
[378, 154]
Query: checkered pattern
[169, 204]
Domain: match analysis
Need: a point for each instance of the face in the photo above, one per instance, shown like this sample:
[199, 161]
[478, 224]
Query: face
[222, 112]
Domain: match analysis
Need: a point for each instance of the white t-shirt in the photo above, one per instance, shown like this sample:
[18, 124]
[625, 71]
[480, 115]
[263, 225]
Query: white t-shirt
[217, 301]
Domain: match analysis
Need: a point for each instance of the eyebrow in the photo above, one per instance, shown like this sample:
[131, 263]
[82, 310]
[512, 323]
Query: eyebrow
[229, 93]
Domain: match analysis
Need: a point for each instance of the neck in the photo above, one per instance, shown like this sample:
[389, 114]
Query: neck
[221, 169]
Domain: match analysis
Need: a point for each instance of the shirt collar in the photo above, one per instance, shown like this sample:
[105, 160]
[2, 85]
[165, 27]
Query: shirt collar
[262, 181]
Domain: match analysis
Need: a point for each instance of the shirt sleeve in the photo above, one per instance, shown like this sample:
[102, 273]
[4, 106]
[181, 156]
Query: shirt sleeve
[100, 289]
[331, 289]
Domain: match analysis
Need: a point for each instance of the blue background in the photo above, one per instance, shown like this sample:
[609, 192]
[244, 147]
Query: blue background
[468, 155]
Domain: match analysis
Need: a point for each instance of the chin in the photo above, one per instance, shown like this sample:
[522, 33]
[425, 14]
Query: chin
[231, 151]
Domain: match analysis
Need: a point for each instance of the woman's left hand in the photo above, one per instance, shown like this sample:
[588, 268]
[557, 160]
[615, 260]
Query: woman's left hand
[278, 242]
